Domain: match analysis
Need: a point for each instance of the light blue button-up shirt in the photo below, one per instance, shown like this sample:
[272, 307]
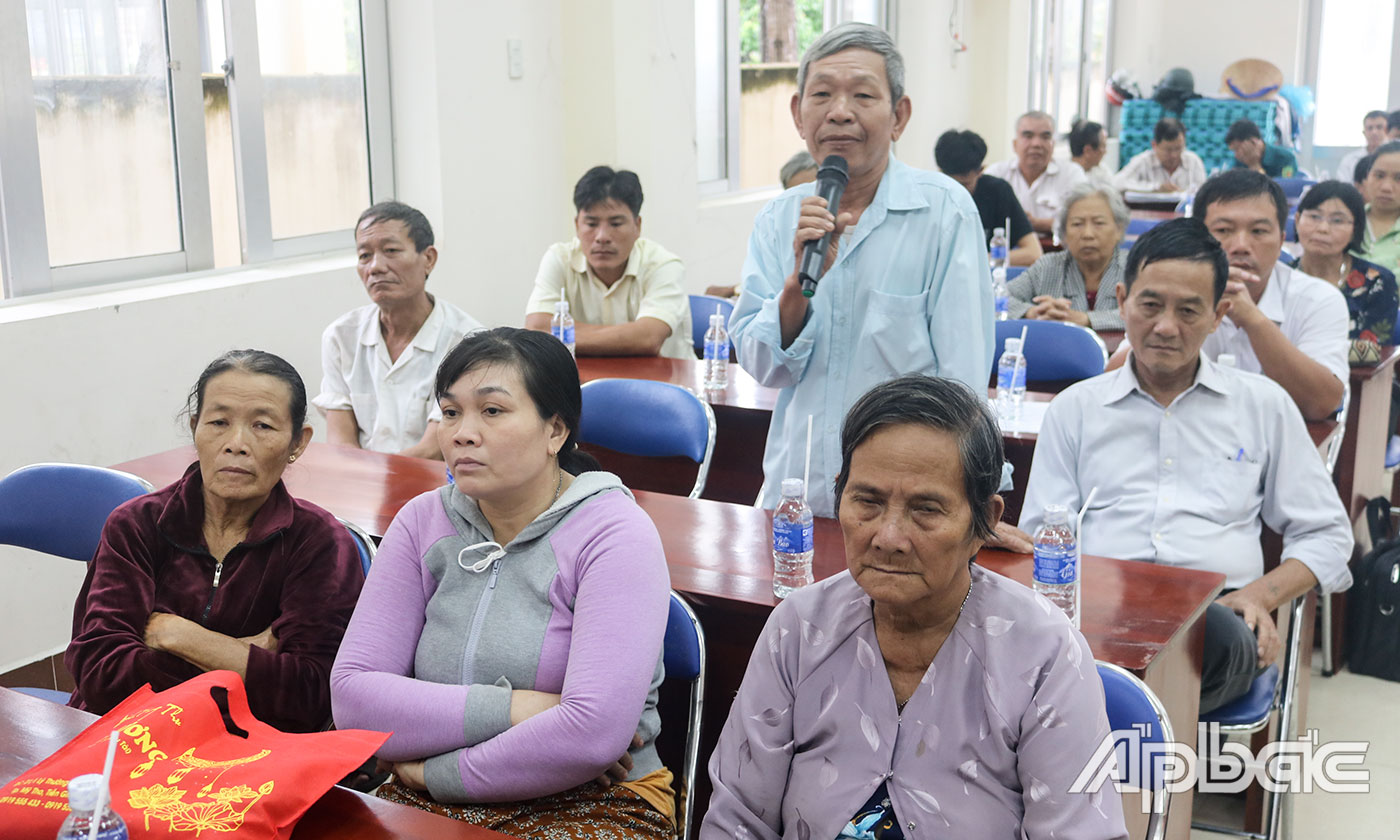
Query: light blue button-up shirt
[1189, 484]
[909, 292]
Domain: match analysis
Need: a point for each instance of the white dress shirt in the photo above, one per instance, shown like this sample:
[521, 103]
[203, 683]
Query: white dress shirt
[393, 401]
[1044, 196]
[1188, 485]
[1346, 170]
[1311, 314]
[1145, 173]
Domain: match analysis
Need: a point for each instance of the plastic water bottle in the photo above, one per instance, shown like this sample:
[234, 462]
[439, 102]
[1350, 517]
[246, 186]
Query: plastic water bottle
[562, 325]
[1011, 382]
[82, 801]
[996, 251]
[716, 355]
[792, 540]
[1001, 294]
[1057, 560]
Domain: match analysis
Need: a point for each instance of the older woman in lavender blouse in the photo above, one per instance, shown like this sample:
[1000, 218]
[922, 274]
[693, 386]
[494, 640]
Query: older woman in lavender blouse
[916, 695]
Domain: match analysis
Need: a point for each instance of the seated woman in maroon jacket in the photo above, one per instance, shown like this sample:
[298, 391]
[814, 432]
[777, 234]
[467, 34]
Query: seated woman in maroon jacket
[223, 570]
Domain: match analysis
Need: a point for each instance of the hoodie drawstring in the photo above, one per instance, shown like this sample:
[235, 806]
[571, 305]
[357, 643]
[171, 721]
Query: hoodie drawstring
[497, 552]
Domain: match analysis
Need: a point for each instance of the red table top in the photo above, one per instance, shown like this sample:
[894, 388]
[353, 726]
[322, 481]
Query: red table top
[722, 551]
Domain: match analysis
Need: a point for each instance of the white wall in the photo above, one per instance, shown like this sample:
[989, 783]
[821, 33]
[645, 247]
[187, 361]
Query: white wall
[1206, 36]
[491, 160]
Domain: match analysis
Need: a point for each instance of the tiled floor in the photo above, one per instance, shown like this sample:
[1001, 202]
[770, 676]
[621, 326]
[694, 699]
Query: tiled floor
[1346, 707]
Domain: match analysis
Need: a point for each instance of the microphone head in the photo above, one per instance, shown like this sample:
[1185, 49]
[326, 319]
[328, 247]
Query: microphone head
[833, 168]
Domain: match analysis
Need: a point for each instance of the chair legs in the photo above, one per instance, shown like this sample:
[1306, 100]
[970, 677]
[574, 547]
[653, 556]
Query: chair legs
[1326, 610]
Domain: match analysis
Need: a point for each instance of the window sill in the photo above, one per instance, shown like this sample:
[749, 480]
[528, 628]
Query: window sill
[753, 195]
[34, 307]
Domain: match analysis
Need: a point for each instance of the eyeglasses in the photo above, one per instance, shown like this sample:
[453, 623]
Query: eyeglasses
[1335, 220]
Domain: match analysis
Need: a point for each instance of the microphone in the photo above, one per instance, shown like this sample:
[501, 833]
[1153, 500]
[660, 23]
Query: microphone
[831, 183]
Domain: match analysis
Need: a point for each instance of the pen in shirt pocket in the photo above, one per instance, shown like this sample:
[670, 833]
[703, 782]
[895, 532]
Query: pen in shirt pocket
[1241, 456]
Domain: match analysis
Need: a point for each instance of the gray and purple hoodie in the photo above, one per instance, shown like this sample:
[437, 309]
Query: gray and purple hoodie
[449, 622]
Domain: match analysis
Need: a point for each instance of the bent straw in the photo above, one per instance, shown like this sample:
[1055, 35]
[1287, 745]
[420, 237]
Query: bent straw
[1079, 553]
[106, 783]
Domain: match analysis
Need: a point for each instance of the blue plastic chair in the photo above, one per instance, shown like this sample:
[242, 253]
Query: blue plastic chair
[701, 308]
[364, 544]
[683, 654]
[1293, 188]
[60, 509]
[1014, 271]
[1137, 717]
[1137, 227]
[1272, 691]
[652, 419]
[1056, 351]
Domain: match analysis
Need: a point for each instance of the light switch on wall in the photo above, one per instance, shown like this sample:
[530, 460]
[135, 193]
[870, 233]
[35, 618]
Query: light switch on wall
[515, 58]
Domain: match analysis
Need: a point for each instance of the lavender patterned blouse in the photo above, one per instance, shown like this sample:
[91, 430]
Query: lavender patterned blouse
[1005, 718]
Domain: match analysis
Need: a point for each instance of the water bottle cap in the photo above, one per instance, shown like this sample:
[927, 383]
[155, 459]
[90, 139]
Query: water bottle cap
[1056, 514]
[1013, 345]
[999, 273]
[561, 308]
[792, 487]
[717, 320]
[83, 791]
[998, 231]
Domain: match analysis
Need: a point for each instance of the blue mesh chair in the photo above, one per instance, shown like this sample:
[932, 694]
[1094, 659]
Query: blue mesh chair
[652, 419]
[1273, 691]
[364, 544]
[701, 308]
[1014, 271]
[683, 654]
[1137, 717]
[1055, 351]
[60, 509]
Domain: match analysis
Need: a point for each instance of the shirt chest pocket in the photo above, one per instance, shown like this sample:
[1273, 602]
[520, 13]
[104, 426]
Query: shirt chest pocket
[895, 340]
[1225, 487]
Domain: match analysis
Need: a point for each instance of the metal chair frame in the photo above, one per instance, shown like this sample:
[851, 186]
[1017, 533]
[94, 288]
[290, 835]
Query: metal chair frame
[689, 769]
[1285, 703]
[703, 472]
[1334, 449]
[1161, 795]
[363, 541]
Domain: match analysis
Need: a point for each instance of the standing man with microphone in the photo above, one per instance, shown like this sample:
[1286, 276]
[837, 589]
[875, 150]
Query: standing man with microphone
[901, 287]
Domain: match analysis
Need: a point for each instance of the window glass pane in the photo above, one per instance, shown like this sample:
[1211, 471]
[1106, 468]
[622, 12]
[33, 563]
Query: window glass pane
[218, 137]
[1097, 71]
[711, 107]
[1353, 68]
[1069, 32]
[106, 149]
[313, 114]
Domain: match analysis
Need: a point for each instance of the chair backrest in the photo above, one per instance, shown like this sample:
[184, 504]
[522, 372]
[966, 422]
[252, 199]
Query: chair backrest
[60, 509]
[1055, 351]
[683, 654]
[701, 308]
[1137, 227]
[653, 419]
[364, 544]
[1141, 725]
[1014, 271]
[1293, 188]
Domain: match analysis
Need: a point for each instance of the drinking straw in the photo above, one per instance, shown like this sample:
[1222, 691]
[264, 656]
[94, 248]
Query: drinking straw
[1079, 553]
[106, 783]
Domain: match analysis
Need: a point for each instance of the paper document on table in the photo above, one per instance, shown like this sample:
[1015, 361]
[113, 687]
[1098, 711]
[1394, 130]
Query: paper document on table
[1032, 415]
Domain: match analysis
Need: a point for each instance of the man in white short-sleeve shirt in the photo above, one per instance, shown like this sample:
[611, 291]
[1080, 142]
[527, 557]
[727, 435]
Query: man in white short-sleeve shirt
[1285, 324]
[1040, 182]
[626, 294]
[378, 361]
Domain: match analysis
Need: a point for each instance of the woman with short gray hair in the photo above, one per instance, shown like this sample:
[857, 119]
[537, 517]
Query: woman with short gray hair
[1078, 284]
[915, 694]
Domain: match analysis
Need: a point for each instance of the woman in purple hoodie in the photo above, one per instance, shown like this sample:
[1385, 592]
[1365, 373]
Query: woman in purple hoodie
[915, 695]
[509, 635]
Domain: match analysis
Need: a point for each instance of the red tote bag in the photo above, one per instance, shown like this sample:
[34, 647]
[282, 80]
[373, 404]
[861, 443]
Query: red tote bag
[191, 761]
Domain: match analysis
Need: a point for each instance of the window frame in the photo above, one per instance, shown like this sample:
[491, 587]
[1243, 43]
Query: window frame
[729, 182]
[1045, 78]
[24, 252]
